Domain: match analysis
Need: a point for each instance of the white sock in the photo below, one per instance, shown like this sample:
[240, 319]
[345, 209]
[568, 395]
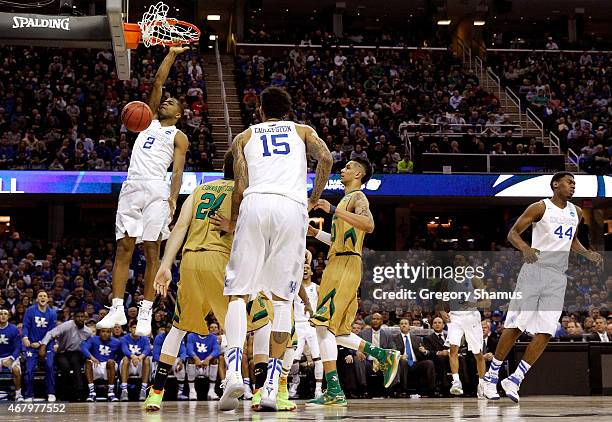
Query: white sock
[235, 332]
[287, 360]
[493, 372]
[92, 389]
[18, 391]
[191, 386]
[124, 386]
[117, 302]
[111, 389]
[318, 370]
[350, 341]
[180, 388]
[319, 386]
[456, 378]
[247, 383]
[275, 366]
[144, 386]
[212, 373]
[146, 304]
[521, 370]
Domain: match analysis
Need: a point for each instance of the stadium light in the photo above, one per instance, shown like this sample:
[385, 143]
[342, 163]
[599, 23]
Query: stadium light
[444, 22]
[213, 17]
[212, 37]
[479, 23]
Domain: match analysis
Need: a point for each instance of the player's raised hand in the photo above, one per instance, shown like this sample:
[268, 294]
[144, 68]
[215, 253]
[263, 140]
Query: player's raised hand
[531, 255]
[322, 204]
[221, 223]
[179, 49]
[162, 281]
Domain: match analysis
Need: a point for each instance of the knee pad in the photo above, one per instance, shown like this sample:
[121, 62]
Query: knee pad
[261, 340]
[172, 342]
[191, 372]
[327, 344]
[282, 316]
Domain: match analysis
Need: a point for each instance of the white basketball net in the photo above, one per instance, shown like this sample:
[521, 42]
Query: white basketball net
[157, 29]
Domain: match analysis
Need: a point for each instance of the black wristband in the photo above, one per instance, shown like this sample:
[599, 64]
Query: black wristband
[332, 209]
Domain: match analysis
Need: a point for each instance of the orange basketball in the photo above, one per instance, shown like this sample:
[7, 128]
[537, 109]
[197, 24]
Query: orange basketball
[136, 116]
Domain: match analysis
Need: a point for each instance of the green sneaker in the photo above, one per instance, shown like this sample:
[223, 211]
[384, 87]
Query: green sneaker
[256, 400]
[154, 400]
[389, 366]
[327, 399]
[284, 405]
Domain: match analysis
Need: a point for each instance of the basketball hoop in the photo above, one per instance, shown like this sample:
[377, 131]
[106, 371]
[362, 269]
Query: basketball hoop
[156, 28]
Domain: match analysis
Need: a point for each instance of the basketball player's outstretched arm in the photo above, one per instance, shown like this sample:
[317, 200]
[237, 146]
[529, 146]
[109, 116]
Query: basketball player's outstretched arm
[532, 214]
[164, 274]
[181, 144]
[357, 213]
[579, 247]
[241, 174]
[161, 76]
[318, 150]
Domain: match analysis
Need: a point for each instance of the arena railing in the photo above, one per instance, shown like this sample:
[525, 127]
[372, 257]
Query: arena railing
[539, 124]
[526, 50]
[223, 96]
[446, 129]
[353, 46]
[517, 101]
[497, 81]
[492, 163]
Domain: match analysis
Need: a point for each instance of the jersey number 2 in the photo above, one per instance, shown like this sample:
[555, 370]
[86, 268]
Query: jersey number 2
[281, 148]
[148, 143]
[568, 233]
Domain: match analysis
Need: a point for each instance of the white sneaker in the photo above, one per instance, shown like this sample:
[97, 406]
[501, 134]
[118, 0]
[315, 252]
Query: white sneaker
[318, 392]
[248, 395]
[234, 389]
[293, 392]
[456, 389]
[115, 316]
[511, 388]
[124, 395]
[143, 325]
[143, 395]
[18, 397]
[193, 394]
[480, 390]
[212, 395]
[268, 397]
[489, 389]
[51, 398]
[29, 399]
[182, 397]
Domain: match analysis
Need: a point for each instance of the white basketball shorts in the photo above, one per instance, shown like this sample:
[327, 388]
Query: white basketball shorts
[307, 335]
[542, 292]
[268, 249]
[143, 210]
[466, 323]
[99, 371]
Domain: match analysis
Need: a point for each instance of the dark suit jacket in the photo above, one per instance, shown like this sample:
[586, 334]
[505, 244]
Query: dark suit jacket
[595, 337]
[386, 338]
[491, 345]
[434, 344]
[416, 343]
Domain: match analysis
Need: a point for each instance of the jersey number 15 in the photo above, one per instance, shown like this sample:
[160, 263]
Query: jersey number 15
[280, 148]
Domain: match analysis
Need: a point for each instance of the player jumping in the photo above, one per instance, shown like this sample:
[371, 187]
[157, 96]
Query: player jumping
[146, 202]
[541, 281]
[337, 304]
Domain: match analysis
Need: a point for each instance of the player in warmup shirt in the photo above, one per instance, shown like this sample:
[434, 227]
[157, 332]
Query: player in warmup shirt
[147, 202]
[101, 353]
[306, 334]
[37, 321]
[178, 368]
[10, 348]
[204, 219]
[136, 351]
[337, 304]
[541, 281]
[202, 353]
[268, 254]
[464, 320]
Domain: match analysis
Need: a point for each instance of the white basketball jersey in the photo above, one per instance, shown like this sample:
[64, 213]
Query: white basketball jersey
[276, 160]
[554, 233]
[299, 312]
[153, 152]
[465, 286]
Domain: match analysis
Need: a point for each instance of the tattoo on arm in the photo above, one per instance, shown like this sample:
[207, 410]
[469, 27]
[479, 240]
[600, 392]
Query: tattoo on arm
[362, 206]
[241, 176]
[318, 150]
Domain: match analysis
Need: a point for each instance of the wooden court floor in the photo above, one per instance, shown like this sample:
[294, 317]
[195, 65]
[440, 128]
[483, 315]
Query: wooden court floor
[543, 408]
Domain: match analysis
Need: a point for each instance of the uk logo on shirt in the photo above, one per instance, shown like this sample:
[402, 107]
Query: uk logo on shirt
[134, 349]
[41, 322]
[201, 348]
[104, 350]
[3, 339]
[292, 286]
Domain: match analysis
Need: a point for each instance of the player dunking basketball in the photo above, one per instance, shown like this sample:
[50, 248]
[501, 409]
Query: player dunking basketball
[541, 281]
[146, 202]
[337, 304]
[270, 237]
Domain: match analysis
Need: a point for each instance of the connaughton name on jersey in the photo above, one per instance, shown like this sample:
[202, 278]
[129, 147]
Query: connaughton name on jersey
[273, 129]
